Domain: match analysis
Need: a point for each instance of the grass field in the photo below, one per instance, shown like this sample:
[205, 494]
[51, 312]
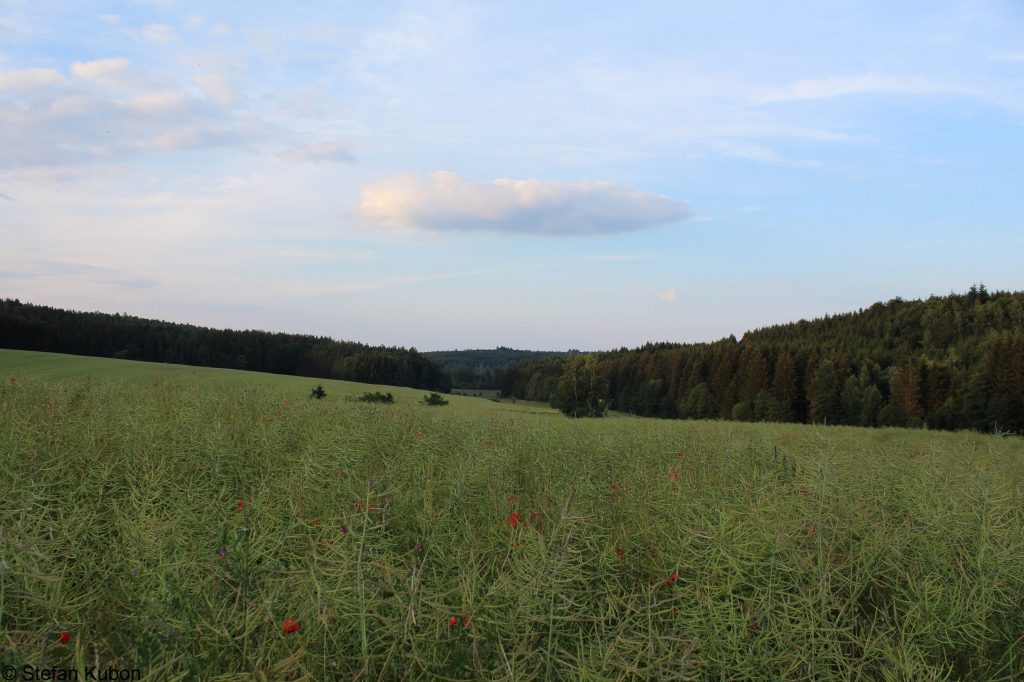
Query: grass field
[171, 519]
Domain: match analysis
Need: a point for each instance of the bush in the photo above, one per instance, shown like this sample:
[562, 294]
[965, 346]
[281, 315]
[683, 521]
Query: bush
[376, 397]
[319, 393]
[434, 399]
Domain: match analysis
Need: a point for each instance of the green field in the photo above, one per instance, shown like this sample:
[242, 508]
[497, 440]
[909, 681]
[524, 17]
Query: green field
[642, 549]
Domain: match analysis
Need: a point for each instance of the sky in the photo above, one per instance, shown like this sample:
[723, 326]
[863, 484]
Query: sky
[543, 175]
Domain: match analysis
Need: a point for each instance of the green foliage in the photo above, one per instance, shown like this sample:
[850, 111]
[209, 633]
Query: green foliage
[867, 555]
[483, 369]
[377, 397]
[319, 393]
[582, 392]
[30, 327]
[950, 362]
[434, 399]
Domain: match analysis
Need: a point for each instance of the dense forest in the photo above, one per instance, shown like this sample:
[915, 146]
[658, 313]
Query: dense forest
[30, 327]
[483, 369]
[950, 362]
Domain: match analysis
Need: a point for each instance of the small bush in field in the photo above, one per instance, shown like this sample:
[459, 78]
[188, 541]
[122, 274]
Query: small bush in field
[434, 399]
[319, 393]
[376, 397]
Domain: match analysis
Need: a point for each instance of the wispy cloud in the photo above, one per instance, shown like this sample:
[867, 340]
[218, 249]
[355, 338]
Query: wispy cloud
[24, 79]
[838, 86]
[159, 33]
[442, 201]
[668, 295]
[323, 151]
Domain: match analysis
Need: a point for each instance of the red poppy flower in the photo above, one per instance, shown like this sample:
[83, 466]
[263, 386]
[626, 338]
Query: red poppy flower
[284, 404]
[453, 621]
[290, 626]
[680, 454]
[64, 637]
[239, 504]
[316, 522]
[619, 553]
[513, 519]
[671, 579]
[673, 474]
[12, 378]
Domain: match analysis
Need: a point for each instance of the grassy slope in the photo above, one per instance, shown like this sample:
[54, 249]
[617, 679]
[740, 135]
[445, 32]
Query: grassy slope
[58, 366]
[870, 553]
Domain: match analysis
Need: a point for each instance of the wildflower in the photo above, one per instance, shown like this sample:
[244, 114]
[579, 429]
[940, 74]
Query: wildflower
[680, 454]
[453, 621]
[344, 530]
[339, 474]
[239, 504]
[513, 519]
[284, 404]
[134, 572]
[419, 546]
[64, 637]
[671, 579]
[619, 553]
[290, 626]
[673, 474]
[12, 378]
[222, 553]
[316, 522]
[615, 487]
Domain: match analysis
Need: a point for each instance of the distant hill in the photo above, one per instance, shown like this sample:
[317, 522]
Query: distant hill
[949, 362]
[482, 368]
[24, 326]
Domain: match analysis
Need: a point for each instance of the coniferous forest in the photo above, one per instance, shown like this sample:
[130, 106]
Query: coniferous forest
[949, 362]
[25, 326]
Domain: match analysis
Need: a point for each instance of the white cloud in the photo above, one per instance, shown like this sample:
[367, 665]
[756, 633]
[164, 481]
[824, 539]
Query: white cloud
[156, 103]
[324, 151]
[102, 71]
[159, 33]
[444, 201]
[191, 137]
[668, 295]
[837, 86]
[193, 20]
[25, 79]
[217, 88]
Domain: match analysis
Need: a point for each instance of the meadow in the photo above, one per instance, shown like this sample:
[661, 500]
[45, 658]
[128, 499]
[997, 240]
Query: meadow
[213, 524]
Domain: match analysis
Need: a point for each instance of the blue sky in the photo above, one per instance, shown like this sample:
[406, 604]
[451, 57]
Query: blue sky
[538, 175]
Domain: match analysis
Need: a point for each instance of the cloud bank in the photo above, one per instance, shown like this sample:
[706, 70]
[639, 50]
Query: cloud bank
[442, 201]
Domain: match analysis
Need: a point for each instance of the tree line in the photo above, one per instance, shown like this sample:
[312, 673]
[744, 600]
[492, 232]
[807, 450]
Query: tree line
[948, 362]
[24, 326]
[483, 368]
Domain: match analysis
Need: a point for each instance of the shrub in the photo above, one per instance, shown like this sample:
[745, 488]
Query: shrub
[319, 393]
[377, 397]
[434, 399]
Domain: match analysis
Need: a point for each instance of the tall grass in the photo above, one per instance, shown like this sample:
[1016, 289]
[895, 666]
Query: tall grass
[851, 554]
